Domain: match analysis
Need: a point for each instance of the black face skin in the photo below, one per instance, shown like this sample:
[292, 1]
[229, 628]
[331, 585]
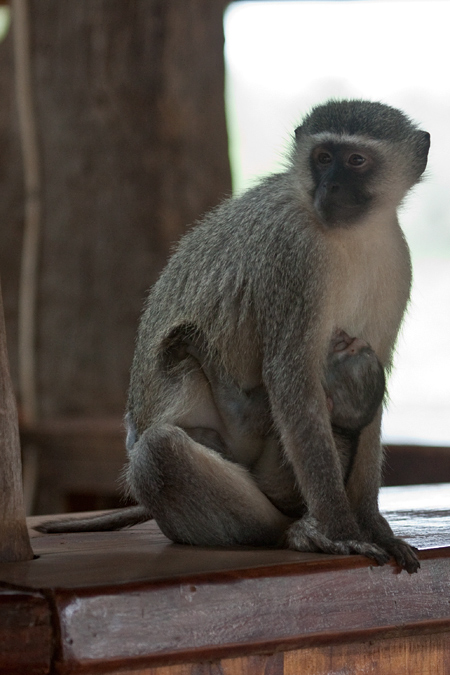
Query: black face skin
[342, 173]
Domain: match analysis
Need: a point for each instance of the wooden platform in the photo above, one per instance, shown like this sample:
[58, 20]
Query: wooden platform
[133, 602]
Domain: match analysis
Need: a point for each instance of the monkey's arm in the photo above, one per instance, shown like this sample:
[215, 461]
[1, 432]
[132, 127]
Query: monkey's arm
[117, 520]
[362, 489]
[329, 524]
[297, 331]
[291, 374]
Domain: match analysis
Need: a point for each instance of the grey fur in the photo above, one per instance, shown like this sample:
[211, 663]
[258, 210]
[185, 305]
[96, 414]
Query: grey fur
[266, 278]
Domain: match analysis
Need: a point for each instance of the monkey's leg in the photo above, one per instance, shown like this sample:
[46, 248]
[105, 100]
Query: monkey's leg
[242, 411]
[239, 420]
[362, 490]
[197, 496]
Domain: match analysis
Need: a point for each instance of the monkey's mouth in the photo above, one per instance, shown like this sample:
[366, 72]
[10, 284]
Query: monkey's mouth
[334, 213]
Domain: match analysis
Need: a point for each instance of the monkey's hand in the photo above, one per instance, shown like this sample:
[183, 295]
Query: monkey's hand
[305, 535]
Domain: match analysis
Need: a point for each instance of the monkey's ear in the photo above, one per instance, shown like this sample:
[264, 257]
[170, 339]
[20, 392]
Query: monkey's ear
[298, 132]
[422, 154]
[426, 140]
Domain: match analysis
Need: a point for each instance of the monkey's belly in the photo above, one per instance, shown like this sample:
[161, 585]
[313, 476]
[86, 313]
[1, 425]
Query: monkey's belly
[221, 425]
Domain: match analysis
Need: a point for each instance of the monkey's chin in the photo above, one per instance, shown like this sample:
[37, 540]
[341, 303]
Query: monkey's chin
[343, 217]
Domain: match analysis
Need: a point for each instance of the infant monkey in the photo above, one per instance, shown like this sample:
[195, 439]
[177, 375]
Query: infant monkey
[355, 385]
[191, 502]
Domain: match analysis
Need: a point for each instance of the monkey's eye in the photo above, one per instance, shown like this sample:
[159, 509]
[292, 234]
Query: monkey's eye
[356, 160]
[324, 158]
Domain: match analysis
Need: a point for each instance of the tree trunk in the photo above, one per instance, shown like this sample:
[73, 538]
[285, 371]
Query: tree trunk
[130, 116]
[14, 540]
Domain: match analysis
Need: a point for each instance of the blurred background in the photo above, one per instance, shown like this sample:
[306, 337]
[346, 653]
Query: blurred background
[284, 57]
[120, 125]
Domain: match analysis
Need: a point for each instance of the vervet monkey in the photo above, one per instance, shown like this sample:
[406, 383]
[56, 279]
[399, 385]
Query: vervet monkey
[267, 280]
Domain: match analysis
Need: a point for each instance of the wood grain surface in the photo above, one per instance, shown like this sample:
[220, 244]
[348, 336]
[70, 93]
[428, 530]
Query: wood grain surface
[423, 655]
[132, 601]
[26, 635]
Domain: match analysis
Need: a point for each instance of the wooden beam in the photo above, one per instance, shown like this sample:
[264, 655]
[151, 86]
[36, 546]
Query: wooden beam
[14, 539]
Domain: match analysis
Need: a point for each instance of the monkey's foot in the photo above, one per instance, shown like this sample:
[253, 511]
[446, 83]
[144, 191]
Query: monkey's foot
[304, 535]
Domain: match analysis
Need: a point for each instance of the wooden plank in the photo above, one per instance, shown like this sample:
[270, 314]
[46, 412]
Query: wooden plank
[14, 539]
[25, 633]
[419, 513]
[133, 600]
[271, 664]
[242, 613]
[418, 655]
[144, 555]
[141, 555]
[409, 464]
[424, 654]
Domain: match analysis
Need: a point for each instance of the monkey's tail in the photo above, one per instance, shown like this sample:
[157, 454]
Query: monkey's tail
[114, 520]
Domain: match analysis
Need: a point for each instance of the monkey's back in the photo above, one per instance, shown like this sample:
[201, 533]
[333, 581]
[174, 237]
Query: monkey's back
[223, 278]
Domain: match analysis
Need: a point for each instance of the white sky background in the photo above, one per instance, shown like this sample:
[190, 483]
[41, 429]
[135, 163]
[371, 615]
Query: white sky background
[284, 57]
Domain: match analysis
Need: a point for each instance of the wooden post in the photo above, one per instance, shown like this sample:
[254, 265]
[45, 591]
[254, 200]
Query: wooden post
[14, 540]
[130, 122]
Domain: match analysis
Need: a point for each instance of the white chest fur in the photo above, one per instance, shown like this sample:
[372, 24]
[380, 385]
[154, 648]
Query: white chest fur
[370, 281]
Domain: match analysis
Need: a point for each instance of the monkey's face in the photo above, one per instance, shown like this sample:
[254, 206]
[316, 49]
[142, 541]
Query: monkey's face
[355, 157]
[343, 174]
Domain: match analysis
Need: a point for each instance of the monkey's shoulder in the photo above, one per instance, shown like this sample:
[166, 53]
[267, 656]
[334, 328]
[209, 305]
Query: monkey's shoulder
[256, 245]
[270, 204]
[264, 226]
